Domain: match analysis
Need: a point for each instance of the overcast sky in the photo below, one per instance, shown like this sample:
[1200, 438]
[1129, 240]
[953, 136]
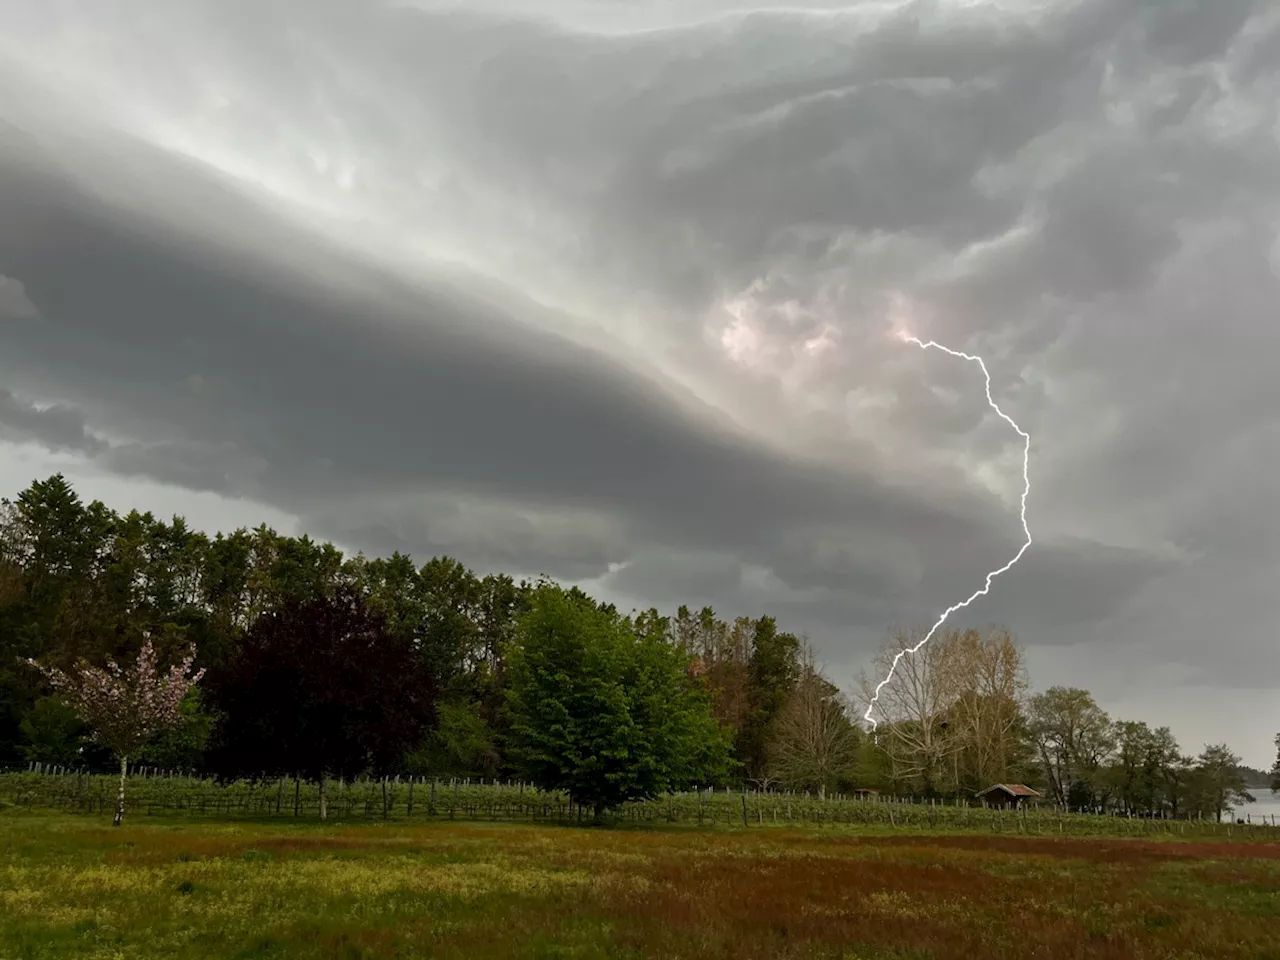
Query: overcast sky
[608, 291]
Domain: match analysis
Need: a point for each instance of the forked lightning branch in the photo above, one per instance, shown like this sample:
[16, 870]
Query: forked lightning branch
[1026, 489]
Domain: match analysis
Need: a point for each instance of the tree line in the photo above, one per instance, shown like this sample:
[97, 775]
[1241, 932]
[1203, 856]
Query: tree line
[959, 715]
[320, 665]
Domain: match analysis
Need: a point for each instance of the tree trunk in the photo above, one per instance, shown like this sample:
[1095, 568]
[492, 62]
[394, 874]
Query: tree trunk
[324, 796]
[124, 770]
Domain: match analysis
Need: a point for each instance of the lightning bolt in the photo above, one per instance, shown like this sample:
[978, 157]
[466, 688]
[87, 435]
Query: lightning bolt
[1026, 490]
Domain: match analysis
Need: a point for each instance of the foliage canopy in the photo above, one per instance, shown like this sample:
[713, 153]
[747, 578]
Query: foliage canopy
[603, 713]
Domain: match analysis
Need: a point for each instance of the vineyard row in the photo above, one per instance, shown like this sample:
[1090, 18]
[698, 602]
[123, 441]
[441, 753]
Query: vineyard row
[437, 799]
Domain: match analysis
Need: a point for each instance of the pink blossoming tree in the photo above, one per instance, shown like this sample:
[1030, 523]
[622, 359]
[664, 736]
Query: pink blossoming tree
[125, 707]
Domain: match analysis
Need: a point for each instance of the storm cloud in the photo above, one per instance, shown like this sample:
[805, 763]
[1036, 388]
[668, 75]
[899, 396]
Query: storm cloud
[609, 292]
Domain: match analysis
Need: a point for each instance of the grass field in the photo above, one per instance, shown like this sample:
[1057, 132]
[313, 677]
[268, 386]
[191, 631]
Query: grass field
[72, 886]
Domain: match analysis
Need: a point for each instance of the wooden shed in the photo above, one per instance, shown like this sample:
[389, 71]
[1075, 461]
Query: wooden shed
[1008, 795]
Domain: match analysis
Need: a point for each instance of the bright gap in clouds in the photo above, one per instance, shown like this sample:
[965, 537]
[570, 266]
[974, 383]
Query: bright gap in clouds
[210, 513]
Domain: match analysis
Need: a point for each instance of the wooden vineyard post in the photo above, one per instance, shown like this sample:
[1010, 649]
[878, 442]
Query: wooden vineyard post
[744, 809]
[408, 810]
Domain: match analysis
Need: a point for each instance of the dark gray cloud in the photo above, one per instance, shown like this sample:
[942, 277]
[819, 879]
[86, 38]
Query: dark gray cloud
[607, 292]
[56, 427]
[15, 305]
[278, 386]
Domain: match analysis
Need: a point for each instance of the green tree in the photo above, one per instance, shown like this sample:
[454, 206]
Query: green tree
[1219, 782]
[1179, 779]
[502, 603]
[1148, 772]
[52, 547]
[54, 733]
[1128, 776]
[1275, 770]
[874, 767]
[449, 636]
[151, 584]
[1162, 771]
[720, 659]
[1074, 737]
[772, 671]
[224, 583]
[182, 746]
[461, 745]
[601, 713]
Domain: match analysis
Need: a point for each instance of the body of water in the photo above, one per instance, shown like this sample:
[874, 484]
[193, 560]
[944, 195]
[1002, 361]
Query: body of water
[1266, 804]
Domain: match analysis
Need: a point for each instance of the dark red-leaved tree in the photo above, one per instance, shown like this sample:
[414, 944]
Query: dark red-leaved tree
[317, 689]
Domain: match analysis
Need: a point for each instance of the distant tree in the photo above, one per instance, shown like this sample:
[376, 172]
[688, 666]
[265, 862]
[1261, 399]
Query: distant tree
[182, 746]
[1220, 784]
[1275, 770]
[602, 714]
[461, 744]
[51, 550]
[990, 680]
[1074, 737]
[320, 688]
[720, 659]
[914, 709]
[815, 744]
[53, 731]
[773, 668]
[449, 637]
[1178, 777]
[125, 708]
[1147, 772]
[1163, 770]
[1129, 776]
[874, 767]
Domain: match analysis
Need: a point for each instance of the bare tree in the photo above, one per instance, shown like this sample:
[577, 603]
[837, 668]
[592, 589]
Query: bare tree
[988, 671]
[915, 731]
[815, 743]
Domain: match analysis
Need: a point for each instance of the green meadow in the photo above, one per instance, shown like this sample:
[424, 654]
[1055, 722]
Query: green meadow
[72, 886]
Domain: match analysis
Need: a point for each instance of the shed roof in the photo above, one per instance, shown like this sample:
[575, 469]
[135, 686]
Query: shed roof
[1012, 789]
